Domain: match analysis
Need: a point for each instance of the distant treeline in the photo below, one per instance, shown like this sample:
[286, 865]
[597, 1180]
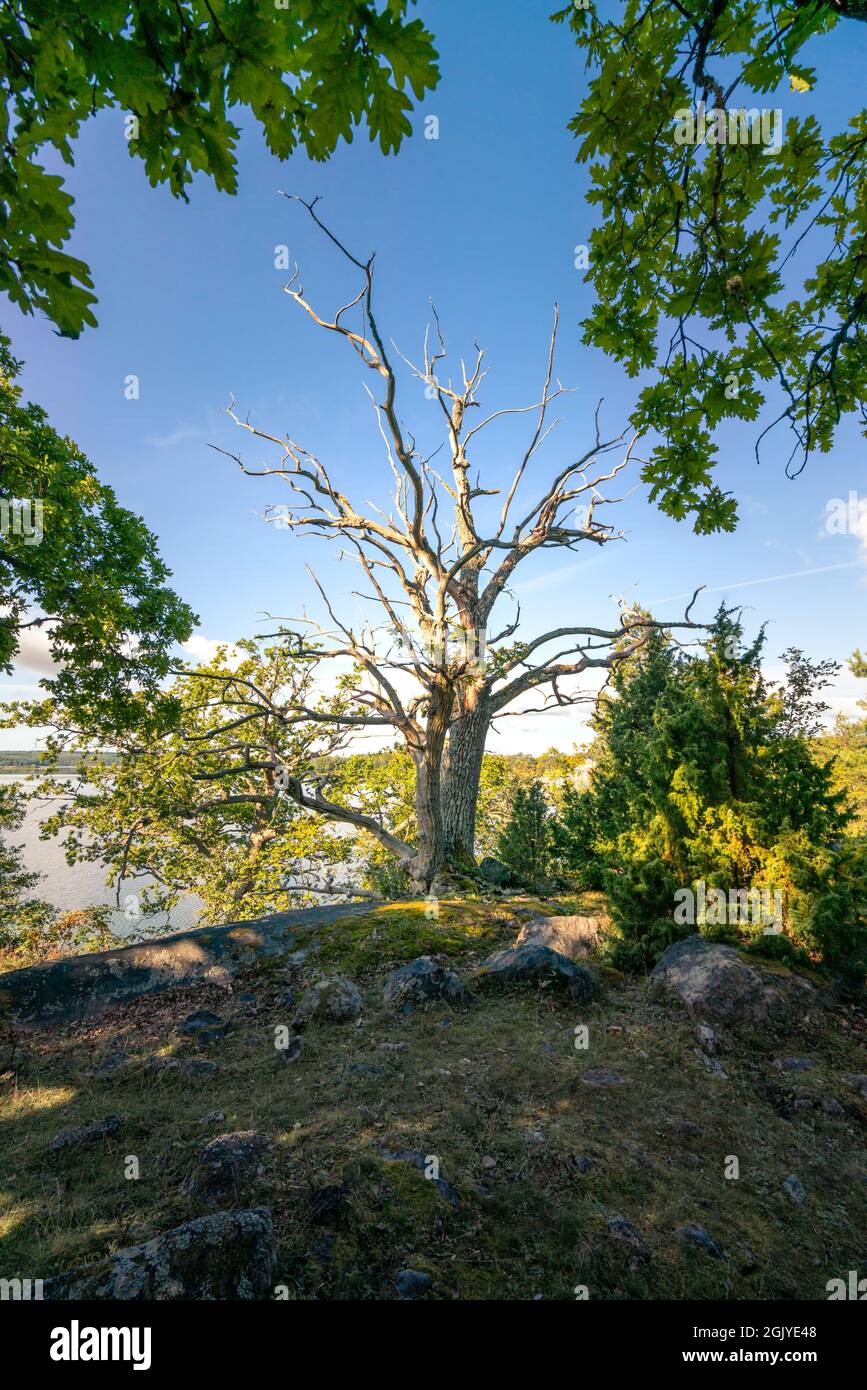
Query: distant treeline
[32, 760]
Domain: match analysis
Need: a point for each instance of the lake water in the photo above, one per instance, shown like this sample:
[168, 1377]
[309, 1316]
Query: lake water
[81, 885]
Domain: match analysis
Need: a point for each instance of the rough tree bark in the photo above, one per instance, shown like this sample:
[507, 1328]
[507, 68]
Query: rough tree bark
[462, 771]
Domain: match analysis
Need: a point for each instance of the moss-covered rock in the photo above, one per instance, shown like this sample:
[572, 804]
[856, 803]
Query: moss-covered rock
[227, 1255]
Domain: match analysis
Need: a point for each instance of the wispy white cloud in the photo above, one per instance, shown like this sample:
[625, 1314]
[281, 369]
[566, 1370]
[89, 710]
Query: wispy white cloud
[177, 436]
[767, 579]
[204, 649]
[34, 652]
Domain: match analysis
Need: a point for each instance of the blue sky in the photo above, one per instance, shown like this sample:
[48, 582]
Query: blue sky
[484, 221]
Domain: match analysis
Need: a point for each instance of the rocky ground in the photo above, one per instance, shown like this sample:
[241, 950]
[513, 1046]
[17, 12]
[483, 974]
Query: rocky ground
[471, 1106]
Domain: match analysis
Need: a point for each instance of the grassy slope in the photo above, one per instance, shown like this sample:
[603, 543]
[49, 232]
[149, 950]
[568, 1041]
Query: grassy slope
[533, 1224]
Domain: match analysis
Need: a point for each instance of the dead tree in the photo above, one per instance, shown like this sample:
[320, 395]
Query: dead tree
[434, 667]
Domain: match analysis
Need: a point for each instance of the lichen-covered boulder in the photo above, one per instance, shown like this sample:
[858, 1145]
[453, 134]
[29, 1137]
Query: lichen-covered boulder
[421, 980]
[718, 982]
[229, 1255]
[572, 936]
[537, 965]
[332, 999]
[85, 1136]
[227, 1165]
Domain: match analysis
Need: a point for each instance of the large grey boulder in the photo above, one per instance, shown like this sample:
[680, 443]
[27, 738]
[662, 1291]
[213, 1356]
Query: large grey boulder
[332, 999]
[228, 1255]
[718, 982]
[80, 986]
[573, 936]
[421, 980]
[538, 965]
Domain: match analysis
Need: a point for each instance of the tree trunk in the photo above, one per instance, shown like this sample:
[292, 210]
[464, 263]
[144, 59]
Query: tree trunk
[429, 856]
[461, 777]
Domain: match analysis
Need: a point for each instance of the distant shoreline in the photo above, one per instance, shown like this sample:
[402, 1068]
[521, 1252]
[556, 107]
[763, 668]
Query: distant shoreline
[31, 760]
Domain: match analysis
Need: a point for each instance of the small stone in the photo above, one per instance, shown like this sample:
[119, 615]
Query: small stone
[708, 1039]
[623, 1231]
[711, 1064]
[333, 998]
[203, 1025]
[412, 1283]
[287, 999]
[194, 1066]
[535, 1136]
[394, 1047]
[685, 1127]
[858, 1080]
[293, 1049]
[697, 1236]
[583, 1163]
[160, 1064]
[794, 1189]
[363, 1069]
[830, 1106]
[602, 1076]
[200, 1018]
[794, 1063]
[85, 1136]
[213, 1117]
[113, 1061]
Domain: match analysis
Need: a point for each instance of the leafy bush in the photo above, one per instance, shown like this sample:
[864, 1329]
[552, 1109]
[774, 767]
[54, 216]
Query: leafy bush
[64, 934]
[704, 780]
[525, 843]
